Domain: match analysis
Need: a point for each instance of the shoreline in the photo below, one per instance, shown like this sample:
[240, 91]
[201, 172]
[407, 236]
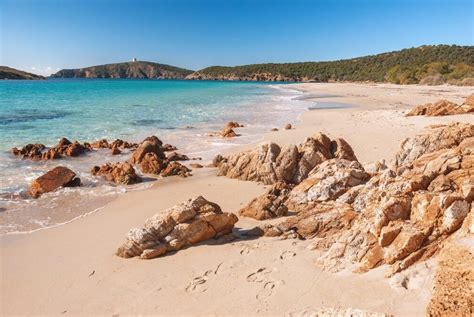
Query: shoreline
[61, 259]
[94, 187]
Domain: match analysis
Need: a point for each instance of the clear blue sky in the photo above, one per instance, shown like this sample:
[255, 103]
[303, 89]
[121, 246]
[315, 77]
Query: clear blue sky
[44, 35]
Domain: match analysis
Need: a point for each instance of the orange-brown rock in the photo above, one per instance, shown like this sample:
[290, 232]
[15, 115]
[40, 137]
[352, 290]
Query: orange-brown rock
[119, 173]
[398, 217]
[152, 164]
[115, 151]
[269, 163]
[175, 156]
[175, 168]
[149, 146]
[168, 147]
[181, 226]
[228, 132]
[269, 205]
[57, 177]
[443, 108]
[287, 126]
[233, 124]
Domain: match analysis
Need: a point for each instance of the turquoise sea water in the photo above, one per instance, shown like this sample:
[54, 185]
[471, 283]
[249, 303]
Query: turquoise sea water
[181, 113]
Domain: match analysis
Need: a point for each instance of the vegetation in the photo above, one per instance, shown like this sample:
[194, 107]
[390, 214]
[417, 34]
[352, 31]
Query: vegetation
[447, 63]
[126, 70]
[11, 73]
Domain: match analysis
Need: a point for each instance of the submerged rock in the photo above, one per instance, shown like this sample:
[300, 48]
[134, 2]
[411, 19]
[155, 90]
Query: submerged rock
[181, 226]
[59, 176]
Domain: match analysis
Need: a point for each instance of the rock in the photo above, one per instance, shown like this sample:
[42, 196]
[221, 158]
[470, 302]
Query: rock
[153, 139]
[274, 130]
[181, 226]
[269, 205]
[175, 168]
[442, 108]
[119, 173]
[115, 151]
[64, 142]
[269, 163]
[319, 220]
[287, 126]
[57, 177]
[174, 156]
[436, 138]
[152, 164]
[233, 124]
[407, 241]
[341, 149]
[397, 216]
[168, 147]
[228, 133]
[100, 144]
[29, 151]
[196, 165]
[147, 147]
[74, 149]
[327, 181]
[51, 154]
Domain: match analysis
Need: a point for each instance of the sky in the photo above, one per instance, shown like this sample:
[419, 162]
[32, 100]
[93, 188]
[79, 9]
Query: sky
[43, 36]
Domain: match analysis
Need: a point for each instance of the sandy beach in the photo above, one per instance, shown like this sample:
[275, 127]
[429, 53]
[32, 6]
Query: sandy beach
[72, 270]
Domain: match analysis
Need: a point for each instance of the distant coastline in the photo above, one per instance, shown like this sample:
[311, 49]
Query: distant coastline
[426, 65]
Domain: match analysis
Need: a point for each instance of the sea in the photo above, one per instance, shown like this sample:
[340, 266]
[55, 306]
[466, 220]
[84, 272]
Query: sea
[181, 113]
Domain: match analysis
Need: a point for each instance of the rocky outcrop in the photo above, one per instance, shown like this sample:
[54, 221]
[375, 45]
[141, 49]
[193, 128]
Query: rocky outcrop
[182, 226]
[116, 144]
[57, 177]
[30, 151]
[398, 217]
[152, 164]
[269, 205]
[443, 108]
[269, 163]
[437, 137]
[119, 173]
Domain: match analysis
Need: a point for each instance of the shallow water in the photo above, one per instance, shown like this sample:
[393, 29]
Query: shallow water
[181, 113]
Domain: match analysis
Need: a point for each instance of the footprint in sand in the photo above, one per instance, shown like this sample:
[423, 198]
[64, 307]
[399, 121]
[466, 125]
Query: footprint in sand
[287, 255]
[259, 275]
[198, 284]
[269, 286]
[247, 249]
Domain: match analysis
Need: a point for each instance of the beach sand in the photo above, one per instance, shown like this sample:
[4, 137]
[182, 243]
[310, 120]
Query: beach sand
[72, 270]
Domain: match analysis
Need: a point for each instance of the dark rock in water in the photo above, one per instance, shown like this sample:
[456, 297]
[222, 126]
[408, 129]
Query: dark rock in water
[30, 151]
[168, 148]
[57, 177]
